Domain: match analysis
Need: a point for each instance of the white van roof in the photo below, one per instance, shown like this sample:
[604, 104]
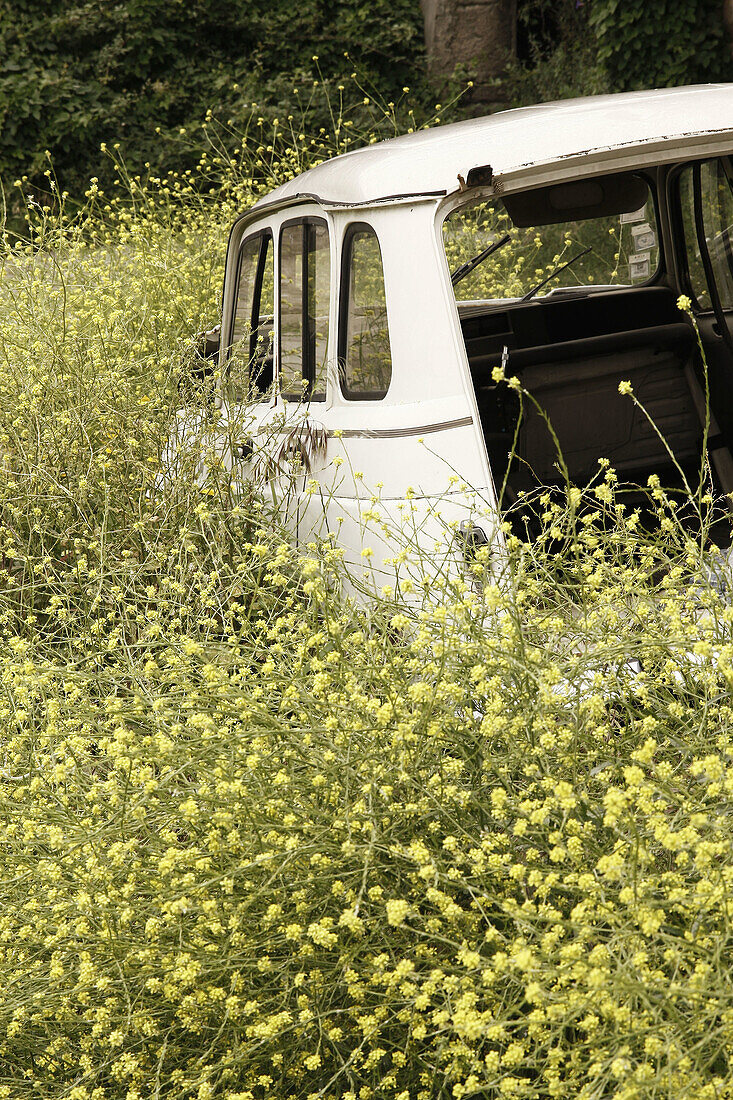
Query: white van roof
[529, 146]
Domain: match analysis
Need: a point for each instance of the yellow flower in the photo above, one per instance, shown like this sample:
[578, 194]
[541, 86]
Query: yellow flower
[397, 911]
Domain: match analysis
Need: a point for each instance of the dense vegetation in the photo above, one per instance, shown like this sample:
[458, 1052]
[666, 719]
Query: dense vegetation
[259, 842]
[643, 45]
[586, 47]
[75, 72]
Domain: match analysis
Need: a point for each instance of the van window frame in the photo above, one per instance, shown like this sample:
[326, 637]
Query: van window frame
[681, 238]
[343, 312]
[266, 237]
[308, 368]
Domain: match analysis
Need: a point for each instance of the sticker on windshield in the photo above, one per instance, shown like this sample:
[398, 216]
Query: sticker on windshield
[634, 216]
[640, 265]
[643, 237]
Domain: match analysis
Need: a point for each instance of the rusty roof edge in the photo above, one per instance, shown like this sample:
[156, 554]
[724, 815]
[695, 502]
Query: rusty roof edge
[585, 162]
[595, 161]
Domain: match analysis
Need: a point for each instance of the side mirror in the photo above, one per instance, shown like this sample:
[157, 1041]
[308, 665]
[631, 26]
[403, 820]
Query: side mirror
[196, 383]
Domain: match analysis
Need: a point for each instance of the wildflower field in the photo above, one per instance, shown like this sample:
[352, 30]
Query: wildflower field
[474, 839]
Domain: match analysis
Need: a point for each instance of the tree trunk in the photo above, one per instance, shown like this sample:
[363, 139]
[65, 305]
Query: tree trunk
[479, 36]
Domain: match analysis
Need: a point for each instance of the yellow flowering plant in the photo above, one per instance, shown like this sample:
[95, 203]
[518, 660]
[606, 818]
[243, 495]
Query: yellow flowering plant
[472, 839]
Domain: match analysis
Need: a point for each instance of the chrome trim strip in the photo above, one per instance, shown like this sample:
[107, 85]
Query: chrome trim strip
[379, 433]
[398, 433]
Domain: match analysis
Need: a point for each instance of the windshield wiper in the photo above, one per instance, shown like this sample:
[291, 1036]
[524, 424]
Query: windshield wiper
[466, 269]
[552, 274]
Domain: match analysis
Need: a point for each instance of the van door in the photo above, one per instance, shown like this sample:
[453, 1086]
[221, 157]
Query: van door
[275, 335]
[244, 397]
[403, 446]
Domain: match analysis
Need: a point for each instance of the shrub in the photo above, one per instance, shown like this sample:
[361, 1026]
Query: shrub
[661, 44]
[73, 73]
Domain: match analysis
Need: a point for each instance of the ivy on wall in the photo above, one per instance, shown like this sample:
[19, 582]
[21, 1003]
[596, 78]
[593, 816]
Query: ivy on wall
[660, 43]
[557, 54]
[584, 47]
[74, 73]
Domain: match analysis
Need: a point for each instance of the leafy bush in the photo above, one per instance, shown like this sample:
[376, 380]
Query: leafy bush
[75, 72]
[644, 45]
[567, 49]
[557, 55]
[258, 841]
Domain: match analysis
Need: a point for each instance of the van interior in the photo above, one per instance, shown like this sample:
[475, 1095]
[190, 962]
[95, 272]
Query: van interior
[573, 332]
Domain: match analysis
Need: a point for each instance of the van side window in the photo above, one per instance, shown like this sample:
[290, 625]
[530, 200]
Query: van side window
[250, 366]
[365, 355]
[706, 199]
[305, 295]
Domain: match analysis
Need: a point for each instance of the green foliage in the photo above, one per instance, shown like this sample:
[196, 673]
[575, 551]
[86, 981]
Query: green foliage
[73, 73]
[660, 43]
[571, 49]
[557, 55]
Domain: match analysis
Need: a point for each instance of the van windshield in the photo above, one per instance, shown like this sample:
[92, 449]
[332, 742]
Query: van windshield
[547, 228]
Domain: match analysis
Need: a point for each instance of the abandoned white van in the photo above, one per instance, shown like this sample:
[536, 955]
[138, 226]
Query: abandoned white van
[369, 302]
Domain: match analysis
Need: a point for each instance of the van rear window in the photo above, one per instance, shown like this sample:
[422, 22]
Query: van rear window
[365, 352]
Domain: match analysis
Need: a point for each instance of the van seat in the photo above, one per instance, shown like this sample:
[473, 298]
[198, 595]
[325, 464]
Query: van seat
[593, 420]
[571, 355]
